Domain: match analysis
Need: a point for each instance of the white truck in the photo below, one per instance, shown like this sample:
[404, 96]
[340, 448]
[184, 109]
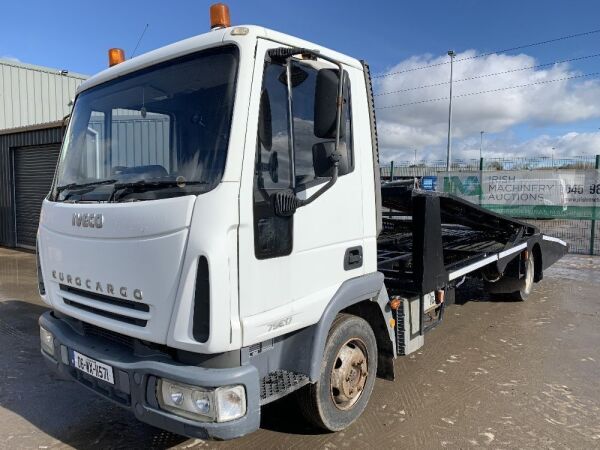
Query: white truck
[216, 237]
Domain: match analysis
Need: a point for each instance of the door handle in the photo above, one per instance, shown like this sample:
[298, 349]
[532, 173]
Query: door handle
[353, 258]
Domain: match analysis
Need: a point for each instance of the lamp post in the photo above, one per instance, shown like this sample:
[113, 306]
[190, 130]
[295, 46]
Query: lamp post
[481, 144]
[415, 157]
[553, 148]
[451, 54]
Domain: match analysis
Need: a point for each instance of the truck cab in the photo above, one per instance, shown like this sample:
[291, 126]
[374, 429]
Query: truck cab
[160, 251]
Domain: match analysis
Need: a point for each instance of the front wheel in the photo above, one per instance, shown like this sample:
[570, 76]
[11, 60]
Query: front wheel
[347, 375]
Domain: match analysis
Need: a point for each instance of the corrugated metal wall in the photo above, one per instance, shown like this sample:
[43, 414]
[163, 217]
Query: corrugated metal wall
[136, 141]
[7, 143]
[32, 95]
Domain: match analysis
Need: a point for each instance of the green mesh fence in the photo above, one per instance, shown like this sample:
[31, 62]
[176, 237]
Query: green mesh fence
[559, 195]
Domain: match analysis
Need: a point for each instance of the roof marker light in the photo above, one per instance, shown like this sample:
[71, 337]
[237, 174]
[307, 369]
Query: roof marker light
[219, 16]
[240, 31]
[115, 56]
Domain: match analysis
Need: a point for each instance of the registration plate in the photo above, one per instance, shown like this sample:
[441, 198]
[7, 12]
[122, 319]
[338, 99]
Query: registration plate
[92, 367]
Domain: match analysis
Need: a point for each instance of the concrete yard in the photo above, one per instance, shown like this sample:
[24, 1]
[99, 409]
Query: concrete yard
[494, 374]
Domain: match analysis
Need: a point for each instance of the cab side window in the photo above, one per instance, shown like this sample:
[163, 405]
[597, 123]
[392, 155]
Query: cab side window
[273, 165]
[286, 121]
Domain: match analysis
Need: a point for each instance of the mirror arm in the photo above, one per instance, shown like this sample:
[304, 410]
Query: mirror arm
[285, 203]
[291, 138]
[331, 182]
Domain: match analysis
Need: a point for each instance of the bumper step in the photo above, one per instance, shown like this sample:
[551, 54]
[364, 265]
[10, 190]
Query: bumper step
[280, 383]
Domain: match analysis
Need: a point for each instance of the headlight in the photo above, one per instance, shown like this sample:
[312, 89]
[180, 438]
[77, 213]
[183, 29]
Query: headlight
[203, 402]
[193, 402]
[47, 341]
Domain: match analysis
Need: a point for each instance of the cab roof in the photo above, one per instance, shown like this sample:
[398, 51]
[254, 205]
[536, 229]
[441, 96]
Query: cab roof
[211, 39]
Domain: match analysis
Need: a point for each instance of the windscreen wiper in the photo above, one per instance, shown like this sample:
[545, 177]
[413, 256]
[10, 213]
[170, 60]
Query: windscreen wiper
[59, 189]
[119, 189]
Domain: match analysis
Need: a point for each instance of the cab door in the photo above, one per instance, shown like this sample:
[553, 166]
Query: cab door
[291, 266]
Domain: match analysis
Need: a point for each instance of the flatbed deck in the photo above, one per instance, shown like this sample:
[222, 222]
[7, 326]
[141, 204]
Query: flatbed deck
[431, 240]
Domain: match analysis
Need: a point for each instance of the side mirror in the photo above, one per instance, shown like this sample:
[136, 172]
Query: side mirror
[265, 126]
[324, 156]
[326, 93]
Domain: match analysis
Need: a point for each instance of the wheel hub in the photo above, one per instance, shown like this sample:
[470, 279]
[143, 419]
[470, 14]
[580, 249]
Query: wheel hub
[349, 374]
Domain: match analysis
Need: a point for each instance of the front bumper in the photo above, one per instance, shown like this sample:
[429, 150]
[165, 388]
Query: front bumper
[136, 377]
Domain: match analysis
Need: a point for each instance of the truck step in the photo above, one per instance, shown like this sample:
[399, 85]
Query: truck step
[409, 337]
[280, 383]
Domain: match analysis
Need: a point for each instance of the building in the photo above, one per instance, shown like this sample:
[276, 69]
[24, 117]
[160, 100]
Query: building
[33, 103]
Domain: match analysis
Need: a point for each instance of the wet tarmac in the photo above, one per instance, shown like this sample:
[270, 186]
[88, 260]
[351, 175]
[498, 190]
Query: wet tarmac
[495, 374]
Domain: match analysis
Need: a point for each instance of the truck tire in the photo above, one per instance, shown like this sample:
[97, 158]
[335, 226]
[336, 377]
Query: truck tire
[523, 293]
[509, 288]
[347, 375]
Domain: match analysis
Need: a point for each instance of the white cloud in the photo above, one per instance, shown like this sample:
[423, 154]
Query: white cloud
[567, 145]
[10, 58]
[424, 126]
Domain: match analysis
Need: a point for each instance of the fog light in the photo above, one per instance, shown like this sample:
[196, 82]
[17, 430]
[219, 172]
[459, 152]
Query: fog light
[47, 341]
[231, 403]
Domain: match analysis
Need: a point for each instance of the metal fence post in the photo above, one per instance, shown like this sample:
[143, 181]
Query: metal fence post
[480, 180]
[593, 230]
[392, 171]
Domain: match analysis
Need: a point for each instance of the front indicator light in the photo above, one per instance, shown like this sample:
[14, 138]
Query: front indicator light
[231, 403]
[47, 341]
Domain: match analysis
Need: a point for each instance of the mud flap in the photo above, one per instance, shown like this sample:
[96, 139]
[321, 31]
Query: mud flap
[505, 285]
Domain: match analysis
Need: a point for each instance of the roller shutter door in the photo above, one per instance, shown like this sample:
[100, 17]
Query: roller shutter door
[34, 170]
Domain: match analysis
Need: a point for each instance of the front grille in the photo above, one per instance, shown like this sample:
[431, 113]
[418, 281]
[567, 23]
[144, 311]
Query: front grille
[108, 314]
[260, 347]
[117, 338]
[137, 306]
[78, 298]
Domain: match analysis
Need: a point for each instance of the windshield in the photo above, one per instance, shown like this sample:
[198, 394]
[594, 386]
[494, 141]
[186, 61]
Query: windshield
[159, 132]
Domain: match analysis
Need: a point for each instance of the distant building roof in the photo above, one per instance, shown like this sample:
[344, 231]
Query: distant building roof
[37, 126]
[31, 95]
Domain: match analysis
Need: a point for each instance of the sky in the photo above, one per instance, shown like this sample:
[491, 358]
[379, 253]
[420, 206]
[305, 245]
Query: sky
[549, 117]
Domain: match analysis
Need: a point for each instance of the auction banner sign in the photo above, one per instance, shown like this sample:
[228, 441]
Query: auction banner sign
[533, 194]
